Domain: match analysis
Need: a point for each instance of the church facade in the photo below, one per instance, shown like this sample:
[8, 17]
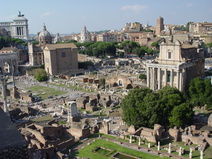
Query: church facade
[85, 35]
[60, 58]
[176, 65]
[18, 28]
[35, 52]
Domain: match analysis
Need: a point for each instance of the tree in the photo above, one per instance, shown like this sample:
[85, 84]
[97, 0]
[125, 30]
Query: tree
[181, 115]
[200, 92]
[129, 46]
[72, 41]
[132, 105]
[142, 76]
[35, 42]
[143, 107]
[155, 44]
[40, 75]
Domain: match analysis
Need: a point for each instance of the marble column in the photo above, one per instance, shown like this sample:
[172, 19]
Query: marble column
[153, 78]
[165, 77]
[148, 78]
[159, 77]
[149, 145]
[190, 153]
[171, 78]
[180, 84]
[139, 141]
[180, 151]
[130, 138]
[158, 145]
[201, 154]
[169, 150]
[178, 79]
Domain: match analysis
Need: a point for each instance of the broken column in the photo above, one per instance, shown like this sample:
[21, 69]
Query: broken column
[169, 150]
[190, 153]
[130, 138]
[158, 145]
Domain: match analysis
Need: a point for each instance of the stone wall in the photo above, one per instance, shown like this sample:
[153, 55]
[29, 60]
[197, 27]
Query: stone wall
[79, 133]
[65, 144]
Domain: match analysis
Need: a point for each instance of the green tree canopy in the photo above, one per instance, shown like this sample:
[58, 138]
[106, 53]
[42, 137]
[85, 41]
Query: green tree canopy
[155, 44]
[200, 92]
[142, 76]
[40, 75]
[143, 107]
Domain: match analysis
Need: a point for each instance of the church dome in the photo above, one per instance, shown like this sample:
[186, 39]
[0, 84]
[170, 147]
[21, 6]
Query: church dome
[44, 36]
[44, 33]
[85, 31]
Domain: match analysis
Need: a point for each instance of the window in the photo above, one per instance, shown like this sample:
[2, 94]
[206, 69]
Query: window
[169, 55]
[63, 54]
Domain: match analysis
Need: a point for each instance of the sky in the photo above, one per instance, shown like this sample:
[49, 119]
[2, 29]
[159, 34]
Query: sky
[70, 16]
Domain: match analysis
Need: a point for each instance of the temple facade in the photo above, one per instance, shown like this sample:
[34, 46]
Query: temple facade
[176, 65]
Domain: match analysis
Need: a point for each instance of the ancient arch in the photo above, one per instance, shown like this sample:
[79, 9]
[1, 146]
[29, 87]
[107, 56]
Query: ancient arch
[120, 82]
[8, 63]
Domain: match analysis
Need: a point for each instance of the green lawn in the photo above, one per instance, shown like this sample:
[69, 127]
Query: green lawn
[87, 152]
[45, 92]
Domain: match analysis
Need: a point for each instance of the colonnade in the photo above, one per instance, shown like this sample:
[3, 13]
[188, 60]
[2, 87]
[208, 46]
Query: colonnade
[155, 79]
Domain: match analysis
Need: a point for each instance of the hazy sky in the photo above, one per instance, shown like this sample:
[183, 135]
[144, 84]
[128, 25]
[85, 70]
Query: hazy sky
[68, 16]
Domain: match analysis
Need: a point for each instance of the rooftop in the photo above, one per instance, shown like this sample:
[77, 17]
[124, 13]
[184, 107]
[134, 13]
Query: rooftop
[60, 46]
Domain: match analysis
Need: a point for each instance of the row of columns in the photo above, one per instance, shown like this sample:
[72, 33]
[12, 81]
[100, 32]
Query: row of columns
[169, 148]
[154, 80]
[20, 31]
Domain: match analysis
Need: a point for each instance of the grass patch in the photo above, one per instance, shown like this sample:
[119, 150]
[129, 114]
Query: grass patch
[45, 92]
[87, 152]
[108, 136]
[43, 119]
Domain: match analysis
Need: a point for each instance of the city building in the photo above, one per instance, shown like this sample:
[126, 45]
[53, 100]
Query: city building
[159, 26]
[106, 37]
[200, 28]
[57, 38]
[85, 35]
[60, 58]
[35, 52]
[18, 28]
[176, 65]
[132, 27]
